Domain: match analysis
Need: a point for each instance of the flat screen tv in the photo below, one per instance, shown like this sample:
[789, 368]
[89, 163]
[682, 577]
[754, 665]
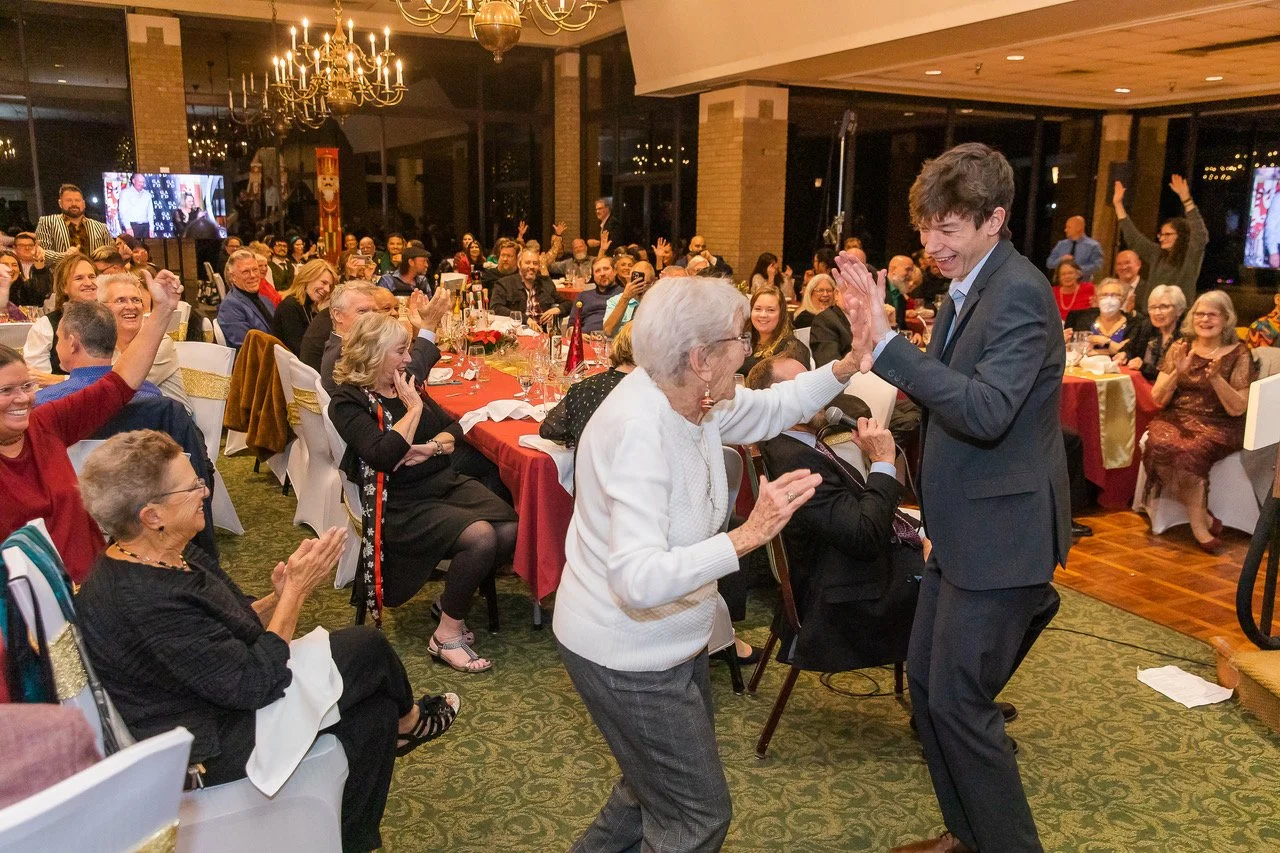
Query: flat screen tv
[147, 204]
[1262, 241]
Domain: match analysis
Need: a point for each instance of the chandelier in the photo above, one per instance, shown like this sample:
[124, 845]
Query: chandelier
[262, 112]
[496, 24]
[207, 140]
[337, 76]
[7, 149]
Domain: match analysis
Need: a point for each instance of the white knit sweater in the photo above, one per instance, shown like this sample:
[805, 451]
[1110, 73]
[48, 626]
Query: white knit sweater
[643, 550]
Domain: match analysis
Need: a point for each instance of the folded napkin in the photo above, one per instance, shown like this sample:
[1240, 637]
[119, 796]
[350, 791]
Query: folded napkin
[440, 376]
[285, 730]
[501, 410]
[501, 324]
[561, 455]
[1098, 365]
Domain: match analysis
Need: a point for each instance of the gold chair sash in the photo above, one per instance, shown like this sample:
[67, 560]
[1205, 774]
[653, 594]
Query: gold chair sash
[69, 677]
[206, 385]
[163, 840]
[292, 411]
[307, 399]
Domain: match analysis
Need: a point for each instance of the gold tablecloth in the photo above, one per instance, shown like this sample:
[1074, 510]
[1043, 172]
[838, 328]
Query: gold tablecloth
[1117, 407]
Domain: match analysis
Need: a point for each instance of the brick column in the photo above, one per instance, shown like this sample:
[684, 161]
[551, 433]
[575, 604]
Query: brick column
[568, 143]
[742, 172]
[158, 90]
[1114, 148]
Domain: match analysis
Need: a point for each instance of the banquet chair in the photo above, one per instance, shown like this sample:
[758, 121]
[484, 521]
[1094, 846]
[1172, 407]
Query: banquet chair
[780, 565]
[722, 645]
[80, 451]
[876, 393]
[178, 321]
[218, 337]
[14, 335]
[206, 375]
[305, 814]
[87, 812]
[219, 283]
[1232, 497]
[802, 335]
[350, 558]
[320, 502]
[208, 271]
[295, 460]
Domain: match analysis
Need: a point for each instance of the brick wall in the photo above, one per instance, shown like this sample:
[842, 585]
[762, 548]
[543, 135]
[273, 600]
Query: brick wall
[158, 90]
[568, 143]
[742, 172]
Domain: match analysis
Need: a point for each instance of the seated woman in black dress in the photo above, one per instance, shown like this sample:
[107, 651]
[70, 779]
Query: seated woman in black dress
[417, 509]
[307, 296]
[771, 331]
[176, 643]
[568, 418]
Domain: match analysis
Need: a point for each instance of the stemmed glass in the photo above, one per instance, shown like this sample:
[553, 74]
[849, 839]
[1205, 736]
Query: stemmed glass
[476, 351]
[525, 378]
[518, 317]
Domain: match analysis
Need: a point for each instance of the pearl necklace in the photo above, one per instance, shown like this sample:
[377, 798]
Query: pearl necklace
[154, 562]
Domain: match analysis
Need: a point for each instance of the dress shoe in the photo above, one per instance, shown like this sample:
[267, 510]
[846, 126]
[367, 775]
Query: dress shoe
[1215, 527]
[747, 660]
[1079, 530]
[945, 843]
[1013, 744]
[1008, 711]
[1214, 546]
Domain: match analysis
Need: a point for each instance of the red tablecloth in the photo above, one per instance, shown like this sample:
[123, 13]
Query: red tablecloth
[1080, 413]
[569, 293]
[542, 503]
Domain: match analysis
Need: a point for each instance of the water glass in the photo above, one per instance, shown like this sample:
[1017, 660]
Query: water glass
[518, 317]
[476, 352]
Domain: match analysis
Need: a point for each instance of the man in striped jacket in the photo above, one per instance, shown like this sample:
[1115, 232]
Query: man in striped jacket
[59, 233]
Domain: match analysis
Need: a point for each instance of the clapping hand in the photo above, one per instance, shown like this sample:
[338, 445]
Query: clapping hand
[407, 393]
[312, 562]
[426, 313]
[862, 298]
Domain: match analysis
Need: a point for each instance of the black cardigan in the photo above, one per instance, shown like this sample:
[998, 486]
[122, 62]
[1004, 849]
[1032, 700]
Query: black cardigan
[290, 322]
[179, 648]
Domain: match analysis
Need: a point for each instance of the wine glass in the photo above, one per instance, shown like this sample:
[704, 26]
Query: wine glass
[476, 353]
[525, 379]
[518, 317]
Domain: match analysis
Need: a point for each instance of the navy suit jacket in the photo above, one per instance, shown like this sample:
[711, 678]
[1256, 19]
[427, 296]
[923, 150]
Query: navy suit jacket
[994, 469]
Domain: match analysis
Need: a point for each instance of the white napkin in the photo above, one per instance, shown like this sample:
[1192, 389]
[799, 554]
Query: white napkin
[1183, 687]
[561, 455]
[501, 410]
[285, 730]
[1098, 365]
[501, 324]
[526, 332]
[440, 376]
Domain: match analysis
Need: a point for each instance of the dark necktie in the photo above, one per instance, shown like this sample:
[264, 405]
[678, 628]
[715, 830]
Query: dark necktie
[1073, 248]
[904, 529]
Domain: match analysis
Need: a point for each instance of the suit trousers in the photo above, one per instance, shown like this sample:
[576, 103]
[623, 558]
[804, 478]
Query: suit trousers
[672, 797]
[965, 646]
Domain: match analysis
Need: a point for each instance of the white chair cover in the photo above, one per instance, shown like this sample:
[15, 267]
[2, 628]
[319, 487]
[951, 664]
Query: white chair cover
[218, 337]
[14, 335]
[288, 467]
[80, 451]
[1232, 498]
[320, 505]
[206, 374]
[876, 393]
[126, 802]
[350, 558]
[221, 285]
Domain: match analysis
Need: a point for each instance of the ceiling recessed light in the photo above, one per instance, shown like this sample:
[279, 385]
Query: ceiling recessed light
[57, 65]
[1015, 57]
[933, 72]
[1121, 90]
[966, 110]
[1213, 78]
[62, 81]
[908, 115]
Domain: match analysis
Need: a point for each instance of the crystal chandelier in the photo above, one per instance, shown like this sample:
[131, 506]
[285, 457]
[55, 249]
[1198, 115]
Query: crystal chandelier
[207, 140]
[262, 111]
[7, 149]
[496, 24]
[338, 76]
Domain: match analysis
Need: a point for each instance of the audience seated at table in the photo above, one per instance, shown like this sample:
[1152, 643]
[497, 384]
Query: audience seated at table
[36, 477]
[86, 343]
[769, 272]
[819, 295]
[130, 302]
[245, 307]
[529, 292]
[10, 283]
[568, 418]
[470, 258]
[594, 300]
[854, 560]
[770, 328]
[399, 438]
[267, 286]
[506, 263]
[1106, 324]
[74, 280]
[1265, 331]
[1153, 332]
[577, 266]
[409, 274]
[306, 297]
[176, 643]
[1203, 391]
[1072, 294]
[622, 306]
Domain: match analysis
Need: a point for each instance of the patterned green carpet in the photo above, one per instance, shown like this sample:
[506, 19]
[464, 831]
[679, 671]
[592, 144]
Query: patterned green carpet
[1109, 764]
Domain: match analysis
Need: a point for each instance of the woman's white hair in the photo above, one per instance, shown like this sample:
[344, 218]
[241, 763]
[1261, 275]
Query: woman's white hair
[1220, 302]
[678, 315]
[806, 301]
[1173, 293]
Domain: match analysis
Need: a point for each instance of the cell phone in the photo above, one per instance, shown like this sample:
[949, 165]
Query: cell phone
[637, 276]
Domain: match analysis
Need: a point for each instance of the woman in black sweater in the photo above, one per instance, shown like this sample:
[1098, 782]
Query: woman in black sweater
[417, 509]
[306, 297]
[176, 643]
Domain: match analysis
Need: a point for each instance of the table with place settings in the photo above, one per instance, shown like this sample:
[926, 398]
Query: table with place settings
[1110, 412]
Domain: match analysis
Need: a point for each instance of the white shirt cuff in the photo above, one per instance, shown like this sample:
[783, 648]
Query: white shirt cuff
[428, 334]
[884, 468]
[880, 345]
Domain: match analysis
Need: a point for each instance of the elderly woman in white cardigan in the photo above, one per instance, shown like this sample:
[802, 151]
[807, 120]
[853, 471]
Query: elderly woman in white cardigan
[646, 544]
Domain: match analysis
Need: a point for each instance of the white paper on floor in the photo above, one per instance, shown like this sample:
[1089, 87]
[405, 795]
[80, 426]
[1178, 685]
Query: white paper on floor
[1183, 687]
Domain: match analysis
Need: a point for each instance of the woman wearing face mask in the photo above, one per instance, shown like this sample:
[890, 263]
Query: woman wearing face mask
[1107, 325]
[1153, 334]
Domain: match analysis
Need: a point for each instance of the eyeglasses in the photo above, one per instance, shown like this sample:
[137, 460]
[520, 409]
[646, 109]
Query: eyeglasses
[744, 339]
[198, 485]
[1164, 306]
[28, 387]
[1205, 315]
[1167, 234]
[127, 300]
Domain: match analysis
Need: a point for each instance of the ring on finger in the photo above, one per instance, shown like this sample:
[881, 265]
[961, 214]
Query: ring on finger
[791, 496]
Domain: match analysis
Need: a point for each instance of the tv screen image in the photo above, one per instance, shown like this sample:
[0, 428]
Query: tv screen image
[1262, 242]
[146, 204]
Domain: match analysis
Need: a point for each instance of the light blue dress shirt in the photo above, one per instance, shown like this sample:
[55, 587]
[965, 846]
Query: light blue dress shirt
[812, 440]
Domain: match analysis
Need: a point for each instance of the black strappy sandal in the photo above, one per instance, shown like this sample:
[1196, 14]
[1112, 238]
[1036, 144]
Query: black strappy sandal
[435, 715]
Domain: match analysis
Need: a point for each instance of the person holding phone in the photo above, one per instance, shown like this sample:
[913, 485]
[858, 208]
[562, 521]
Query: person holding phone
[620, 308]
[595, 301]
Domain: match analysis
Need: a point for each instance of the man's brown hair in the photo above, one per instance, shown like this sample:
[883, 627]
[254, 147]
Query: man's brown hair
[970, 180]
